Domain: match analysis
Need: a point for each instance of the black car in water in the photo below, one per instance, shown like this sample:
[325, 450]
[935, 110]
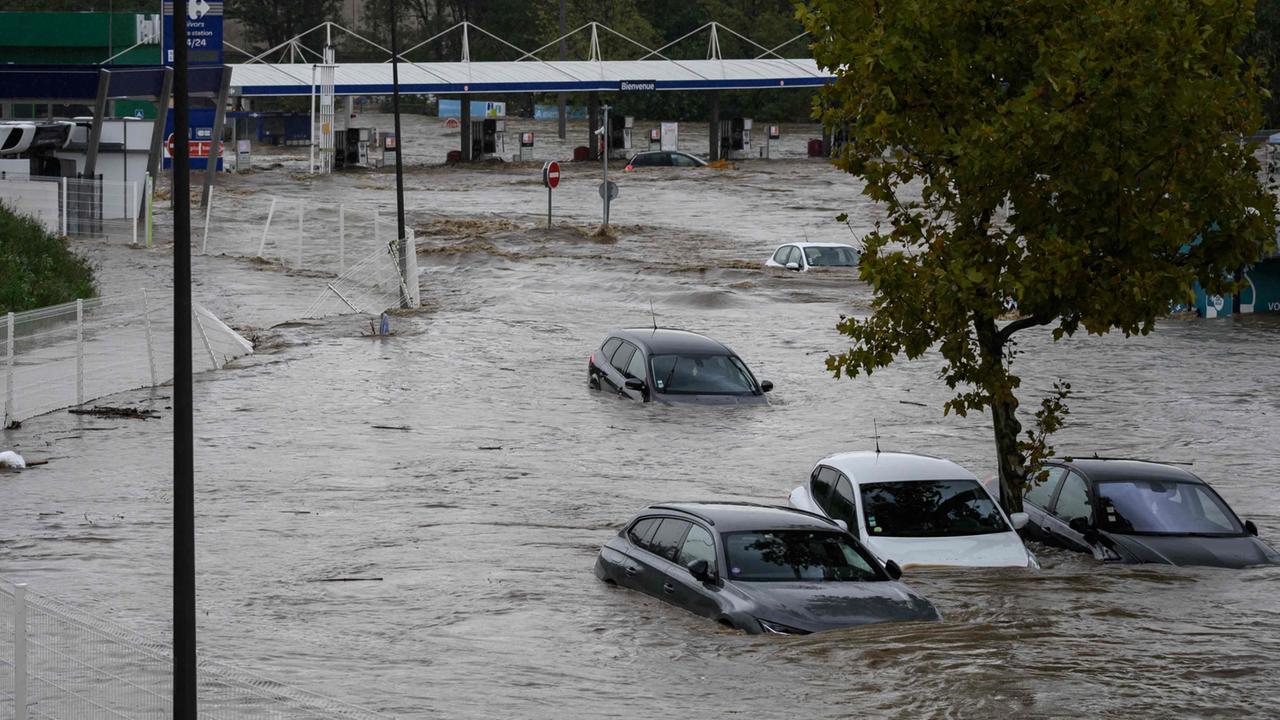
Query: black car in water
[1135, 511]
[758, 568]
[664, 365]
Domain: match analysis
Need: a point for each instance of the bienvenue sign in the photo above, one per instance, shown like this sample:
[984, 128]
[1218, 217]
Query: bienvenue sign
[638, 85]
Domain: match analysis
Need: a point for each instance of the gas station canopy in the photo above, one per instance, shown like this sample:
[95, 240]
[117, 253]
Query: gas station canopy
[277, 79]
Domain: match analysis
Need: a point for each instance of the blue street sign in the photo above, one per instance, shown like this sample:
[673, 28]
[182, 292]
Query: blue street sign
[204, 31]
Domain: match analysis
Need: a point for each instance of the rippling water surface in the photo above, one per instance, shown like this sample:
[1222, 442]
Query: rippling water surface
[482, 517]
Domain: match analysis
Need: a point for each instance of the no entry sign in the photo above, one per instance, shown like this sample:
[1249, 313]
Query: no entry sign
[551, 175]
[550, 179]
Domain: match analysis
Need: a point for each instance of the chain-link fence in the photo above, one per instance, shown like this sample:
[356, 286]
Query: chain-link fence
[374, 283]
[82, 207]
[59, 663]
[66, 355]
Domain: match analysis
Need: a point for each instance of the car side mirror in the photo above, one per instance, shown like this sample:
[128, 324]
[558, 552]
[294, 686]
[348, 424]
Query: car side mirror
[1019, 520]
[793, 266]
[893, 570]
[1250, 528]
[634, 384]
[700, 570]
[1080, 525]
[765, 386]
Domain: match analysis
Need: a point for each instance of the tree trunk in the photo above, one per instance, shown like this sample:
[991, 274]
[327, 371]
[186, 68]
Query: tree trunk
[1010, 460]
[1012, 463]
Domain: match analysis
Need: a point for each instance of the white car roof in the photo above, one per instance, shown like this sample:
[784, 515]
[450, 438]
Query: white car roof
[806, 244]
[867, 466]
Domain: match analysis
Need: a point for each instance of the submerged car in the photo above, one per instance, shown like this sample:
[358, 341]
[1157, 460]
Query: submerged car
[671, 366]
[664, 158]
[1136, 511]
[804, 256]
[915, 509]
[757, 568]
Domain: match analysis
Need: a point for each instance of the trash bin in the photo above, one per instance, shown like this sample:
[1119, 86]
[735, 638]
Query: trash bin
[581, 153]
[815, 147]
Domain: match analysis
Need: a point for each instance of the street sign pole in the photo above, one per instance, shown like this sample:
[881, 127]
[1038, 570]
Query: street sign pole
[548, 207]
[604, 157]
[395, 108]
[551, 179]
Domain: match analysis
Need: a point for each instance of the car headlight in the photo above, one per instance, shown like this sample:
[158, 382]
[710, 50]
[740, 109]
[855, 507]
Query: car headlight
[775, 628]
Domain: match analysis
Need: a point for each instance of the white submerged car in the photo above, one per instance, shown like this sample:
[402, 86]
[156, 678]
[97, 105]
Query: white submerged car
[804, 256]
[915, 510]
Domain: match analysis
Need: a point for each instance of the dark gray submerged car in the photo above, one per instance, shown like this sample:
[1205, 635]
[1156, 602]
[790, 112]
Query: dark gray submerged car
[671, 366]
[1135, 511]
[758, 568]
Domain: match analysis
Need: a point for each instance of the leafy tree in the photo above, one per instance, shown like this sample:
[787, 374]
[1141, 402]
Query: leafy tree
[38, 268]
[271, 22]
[1081, 159]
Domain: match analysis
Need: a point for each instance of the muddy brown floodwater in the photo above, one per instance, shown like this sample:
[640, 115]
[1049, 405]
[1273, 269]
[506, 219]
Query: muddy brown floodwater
[483, 517]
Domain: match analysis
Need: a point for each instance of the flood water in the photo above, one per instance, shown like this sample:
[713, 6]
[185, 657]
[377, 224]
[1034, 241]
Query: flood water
[476, 524]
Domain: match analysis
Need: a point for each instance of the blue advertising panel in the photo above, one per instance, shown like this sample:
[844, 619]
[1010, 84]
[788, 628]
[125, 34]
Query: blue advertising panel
[204, 31]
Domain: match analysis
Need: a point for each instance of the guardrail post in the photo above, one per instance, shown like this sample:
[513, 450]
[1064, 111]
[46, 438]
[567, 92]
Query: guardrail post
[208, 206]
[146, 321]
[79, 351]
[262, 246]
[20, 651]
[342, 238]
[8, 373]
[150, 190]
[302, 207]
[66, 209]
[132, 204]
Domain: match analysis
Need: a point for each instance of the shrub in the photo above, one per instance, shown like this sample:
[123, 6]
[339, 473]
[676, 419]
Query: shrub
[36, 267]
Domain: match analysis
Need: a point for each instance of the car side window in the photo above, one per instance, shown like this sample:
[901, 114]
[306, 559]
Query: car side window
[641, 531]
[635, 368]
[662, 159]
[793, 255]
[698, 545]
[1040, 493]
[682, 160]
[666, 541]
[840, 506]
[780, 256]
[623, 356]
[609, 348]
[820, 486]
[1073, 499]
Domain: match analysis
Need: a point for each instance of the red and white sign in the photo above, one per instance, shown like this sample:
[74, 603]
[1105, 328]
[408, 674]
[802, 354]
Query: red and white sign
[195, 148]
[551, 174]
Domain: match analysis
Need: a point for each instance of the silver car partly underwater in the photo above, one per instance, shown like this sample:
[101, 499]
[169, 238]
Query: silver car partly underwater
[758, 568]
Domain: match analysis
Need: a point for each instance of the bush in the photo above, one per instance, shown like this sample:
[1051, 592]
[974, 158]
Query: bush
[37, 268]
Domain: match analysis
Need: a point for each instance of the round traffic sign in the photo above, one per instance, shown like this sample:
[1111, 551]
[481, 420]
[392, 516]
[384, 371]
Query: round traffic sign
[551, 174]
[612, 190]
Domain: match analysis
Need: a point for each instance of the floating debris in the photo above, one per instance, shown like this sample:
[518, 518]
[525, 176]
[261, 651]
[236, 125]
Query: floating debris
[12, 460]
[115, 412]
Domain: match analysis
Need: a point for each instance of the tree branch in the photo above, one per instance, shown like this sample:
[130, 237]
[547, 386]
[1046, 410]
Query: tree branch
[1022, 323]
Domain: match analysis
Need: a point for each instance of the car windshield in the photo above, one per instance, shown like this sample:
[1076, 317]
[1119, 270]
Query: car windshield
[929, 508]
[830, 256]
[790, 555]
[1164, 507]
[701, 375]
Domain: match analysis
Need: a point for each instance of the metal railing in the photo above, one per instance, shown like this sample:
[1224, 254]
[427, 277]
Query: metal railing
[83, 207]
[66, 355]
[59, 663]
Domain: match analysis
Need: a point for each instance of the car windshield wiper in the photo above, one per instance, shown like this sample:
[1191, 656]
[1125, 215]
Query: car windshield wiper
[666, 382]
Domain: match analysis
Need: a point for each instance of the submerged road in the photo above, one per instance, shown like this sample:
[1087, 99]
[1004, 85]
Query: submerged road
[483, 516]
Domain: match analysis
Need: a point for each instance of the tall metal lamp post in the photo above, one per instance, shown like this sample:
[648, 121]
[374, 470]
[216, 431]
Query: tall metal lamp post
[395, 108]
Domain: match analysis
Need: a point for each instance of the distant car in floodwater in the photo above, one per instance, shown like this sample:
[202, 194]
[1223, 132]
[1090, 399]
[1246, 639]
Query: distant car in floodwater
[915, 509]
[673, 366]
[757, 568]
[1136, 511]
[665, 158]
[804, 256]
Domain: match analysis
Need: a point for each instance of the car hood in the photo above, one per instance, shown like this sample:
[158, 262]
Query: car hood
[676, 399]
[991, 550]
[1229, 552]
[817, 606]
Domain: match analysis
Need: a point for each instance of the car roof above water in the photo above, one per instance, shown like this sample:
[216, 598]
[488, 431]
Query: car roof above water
[662, 341]
[740, 516]
[1101, 469]
[868, 466]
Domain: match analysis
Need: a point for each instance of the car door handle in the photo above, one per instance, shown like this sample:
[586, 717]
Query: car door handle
[632, 570]
[668, 588]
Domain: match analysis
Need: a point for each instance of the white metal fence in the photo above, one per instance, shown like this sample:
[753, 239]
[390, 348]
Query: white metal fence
[66, 355]
[59, 663]
[354, 243]
[82, 207]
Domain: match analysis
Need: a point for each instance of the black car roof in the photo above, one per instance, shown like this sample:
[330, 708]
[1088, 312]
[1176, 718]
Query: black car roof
[1102, 469]
[738, 516]
[662, 341]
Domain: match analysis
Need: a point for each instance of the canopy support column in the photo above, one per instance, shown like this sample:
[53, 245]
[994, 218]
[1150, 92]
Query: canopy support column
[464, 106]
[713, 129]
